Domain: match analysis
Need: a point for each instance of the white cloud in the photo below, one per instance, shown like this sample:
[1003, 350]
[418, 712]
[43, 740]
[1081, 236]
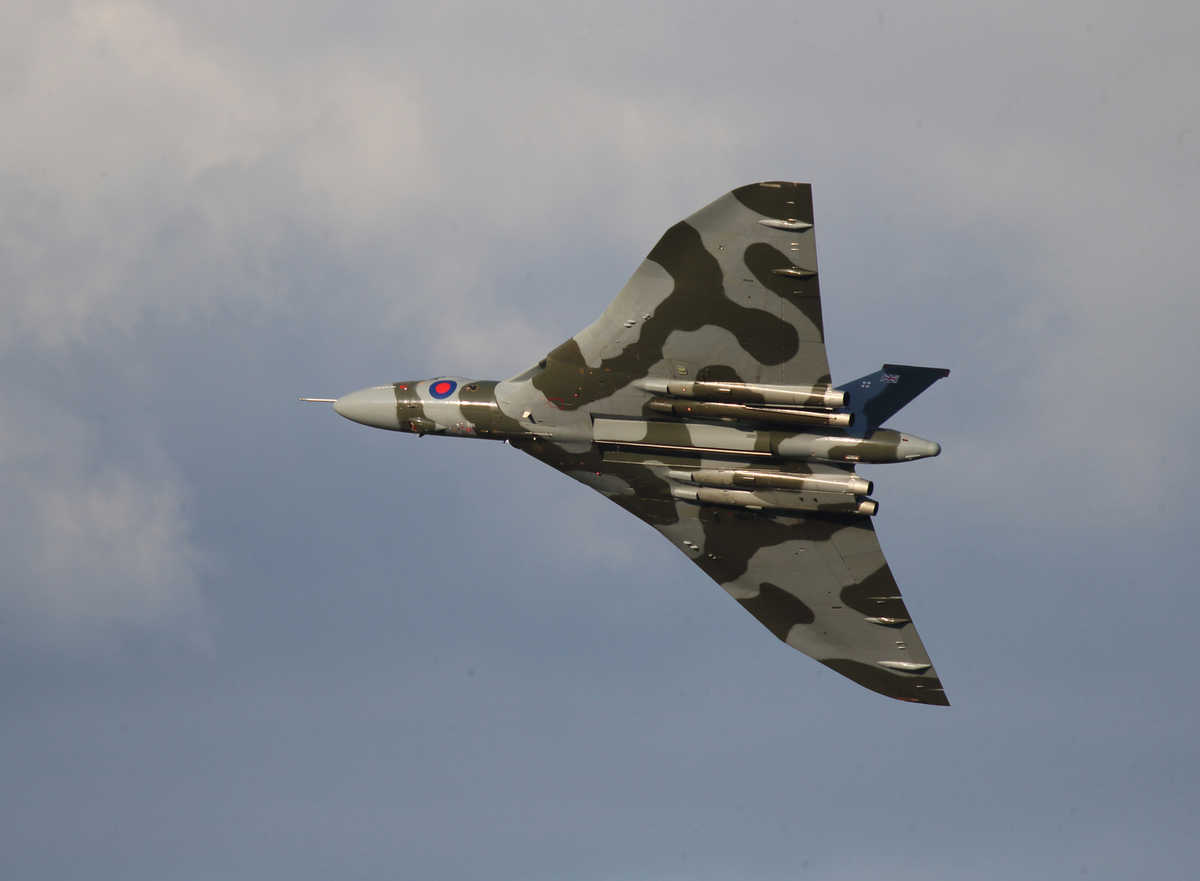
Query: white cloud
[136, 162]
[94, 552]
[171, 159]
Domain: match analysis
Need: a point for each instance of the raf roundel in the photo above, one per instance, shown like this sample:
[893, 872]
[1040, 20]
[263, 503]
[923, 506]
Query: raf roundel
[443, 388]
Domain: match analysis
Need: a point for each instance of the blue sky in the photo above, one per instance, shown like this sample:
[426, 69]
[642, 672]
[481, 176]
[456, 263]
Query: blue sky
[245, 639]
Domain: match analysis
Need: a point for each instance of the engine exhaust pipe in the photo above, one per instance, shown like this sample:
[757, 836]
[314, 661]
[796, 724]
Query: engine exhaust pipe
[749, 413]
[748, 393]
[776, 500]
[850, 484]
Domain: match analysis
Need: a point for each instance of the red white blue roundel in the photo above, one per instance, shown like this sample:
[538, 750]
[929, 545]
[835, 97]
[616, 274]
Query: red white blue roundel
[443, 388]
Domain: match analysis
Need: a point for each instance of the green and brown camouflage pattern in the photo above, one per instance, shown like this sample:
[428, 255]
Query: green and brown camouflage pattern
[762, 499]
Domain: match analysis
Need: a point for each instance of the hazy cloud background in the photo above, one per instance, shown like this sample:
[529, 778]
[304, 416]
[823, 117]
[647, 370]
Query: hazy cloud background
[246, 639]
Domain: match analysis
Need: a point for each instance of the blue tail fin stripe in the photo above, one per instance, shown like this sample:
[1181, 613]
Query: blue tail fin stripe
[877, 397]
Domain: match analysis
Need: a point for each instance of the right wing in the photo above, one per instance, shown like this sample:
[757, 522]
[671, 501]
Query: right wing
[729, 295]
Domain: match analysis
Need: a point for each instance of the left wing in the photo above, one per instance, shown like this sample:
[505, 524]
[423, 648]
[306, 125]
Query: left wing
[818, 581]
[821, 584]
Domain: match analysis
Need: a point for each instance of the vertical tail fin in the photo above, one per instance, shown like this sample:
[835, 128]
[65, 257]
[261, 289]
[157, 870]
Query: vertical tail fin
[877, 397]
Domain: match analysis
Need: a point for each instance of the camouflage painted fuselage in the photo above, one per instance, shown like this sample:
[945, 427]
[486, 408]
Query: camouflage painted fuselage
[701, 402]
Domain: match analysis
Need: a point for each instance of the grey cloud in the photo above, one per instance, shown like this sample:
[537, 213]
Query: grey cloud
[208, 210]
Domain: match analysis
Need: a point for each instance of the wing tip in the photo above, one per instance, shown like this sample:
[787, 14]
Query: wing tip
[780, 199]
[924, 688]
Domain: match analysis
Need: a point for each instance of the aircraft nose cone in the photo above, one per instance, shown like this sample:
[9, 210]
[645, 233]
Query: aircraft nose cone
[375, 407]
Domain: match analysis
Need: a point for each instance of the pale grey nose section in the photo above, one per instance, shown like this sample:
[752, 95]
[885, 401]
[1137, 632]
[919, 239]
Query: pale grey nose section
[913, 447]
[375, 407]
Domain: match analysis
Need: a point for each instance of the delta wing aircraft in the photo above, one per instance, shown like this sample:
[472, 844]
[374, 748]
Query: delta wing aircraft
[701, 402]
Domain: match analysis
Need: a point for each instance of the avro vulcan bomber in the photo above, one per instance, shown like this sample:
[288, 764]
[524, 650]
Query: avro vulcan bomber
[701, 402]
